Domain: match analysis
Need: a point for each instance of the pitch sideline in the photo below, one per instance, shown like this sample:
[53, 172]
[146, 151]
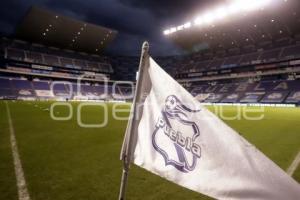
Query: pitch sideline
[292, 168]
[21, 182]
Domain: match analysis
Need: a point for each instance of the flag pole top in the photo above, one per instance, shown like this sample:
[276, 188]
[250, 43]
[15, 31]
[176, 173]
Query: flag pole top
[146, 46]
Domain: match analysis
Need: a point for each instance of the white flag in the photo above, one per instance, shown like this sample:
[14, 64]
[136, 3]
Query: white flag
[180, 140]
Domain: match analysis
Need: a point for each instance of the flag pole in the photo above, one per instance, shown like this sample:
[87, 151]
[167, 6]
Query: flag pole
[127, 151]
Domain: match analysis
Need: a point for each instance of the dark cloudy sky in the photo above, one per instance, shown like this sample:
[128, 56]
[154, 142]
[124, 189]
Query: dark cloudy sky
[136, 20]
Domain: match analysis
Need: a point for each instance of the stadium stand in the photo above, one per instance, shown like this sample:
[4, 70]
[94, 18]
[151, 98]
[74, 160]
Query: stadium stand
[266, 72]
[261, 92]
[5, 89]
[261, 77]
[195, 63]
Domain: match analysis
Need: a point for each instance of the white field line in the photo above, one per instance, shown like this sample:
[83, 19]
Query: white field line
[21, 183]
[292, 168]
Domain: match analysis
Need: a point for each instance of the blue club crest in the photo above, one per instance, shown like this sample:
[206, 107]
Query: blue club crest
[175, 136]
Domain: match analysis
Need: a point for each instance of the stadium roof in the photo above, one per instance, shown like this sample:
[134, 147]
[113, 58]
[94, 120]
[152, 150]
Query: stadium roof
[51, 29]
[278, 21]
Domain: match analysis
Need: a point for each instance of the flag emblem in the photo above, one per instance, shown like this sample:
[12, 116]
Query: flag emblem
[175, 129]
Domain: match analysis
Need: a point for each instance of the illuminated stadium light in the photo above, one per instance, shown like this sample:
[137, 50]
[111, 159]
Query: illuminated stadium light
[198, 21]
[221, 13]
[235, 7]
[173, 30]
[208, 18]
[178, 28]
[187, 25]
[250, 5]
[246, 5]
[167, 32]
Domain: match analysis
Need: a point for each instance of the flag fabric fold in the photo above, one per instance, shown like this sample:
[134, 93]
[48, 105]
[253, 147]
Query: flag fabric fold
[178, 139]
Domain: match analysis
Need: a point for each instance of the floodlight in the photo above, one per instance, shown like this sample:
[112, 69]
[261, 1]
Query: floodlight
[221, 12]
[198, 21]
[265, 2]
[235, 7]
[187, 25]
[250, 5]
[173, 30]
[167, 32]
[179, 28]
[208, 18]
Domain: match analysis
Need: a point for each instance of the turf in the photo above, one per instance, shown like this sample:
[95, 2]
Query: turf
[297, 174]
[62, 160]
[8, 188]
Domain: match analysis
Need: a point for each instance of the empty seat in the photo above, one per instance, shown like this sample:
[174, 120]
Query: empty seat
[21, 84]
[291, 52]
[270, 55]
[15, 54]
[248, 58]
[5, 83]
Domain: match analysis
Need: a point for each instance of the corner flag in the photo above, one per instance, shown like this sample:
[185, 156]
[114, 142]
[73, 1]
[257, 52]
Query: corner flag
[173, 136]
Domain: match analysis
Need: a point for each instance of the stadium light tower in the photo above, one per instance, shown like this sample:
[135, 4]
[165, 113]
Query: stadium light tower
[233, 8]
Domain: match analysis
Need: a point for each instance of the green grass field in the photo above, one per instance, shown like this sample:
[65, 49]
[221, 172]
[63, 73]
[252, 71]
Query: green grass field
[63, 161]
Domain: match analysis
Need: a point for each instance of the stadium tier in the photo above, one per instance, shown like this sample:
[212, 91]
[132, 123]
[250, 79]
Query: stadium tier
[42, 58]
[261, 92]
[199, 63]
[269, 76]
[15, 88]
